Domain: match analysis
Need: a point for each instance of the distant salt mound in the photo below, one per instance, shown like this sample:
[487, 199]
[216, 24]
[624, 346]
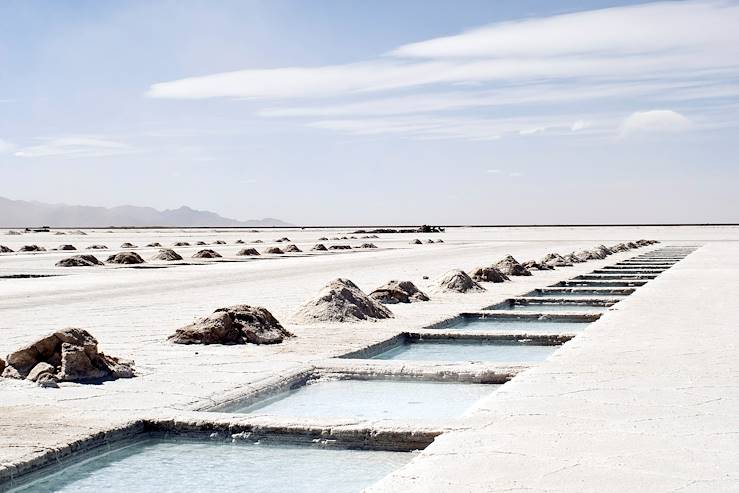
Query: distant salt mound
[510, 267]
[200, 243]
[459, 282]
[206, 253]
[156, 244]
[219, 242]
[4, 249]
[79, 261]
[238, 324]
[69, 355]
[555, 260]
[619, 247]
[78, 232]
[13, 233]
[97, 247]
[534, 265]
[128, 245]
[342, 301]
[292, 249]
[59, 233]
[488, 274]
[257, 241]
[571, 257]
[284, 239]
[167, 254]
[603, 250]
[340, 247]
[125, 258]
[183, 244]
[66, 247]
[31, 248]
[274, 251]
[416, 242]
[632, 245]
[319, 247]
[322, 238]
[247, 252]
[646, 242]
[239, 242]
[398, 292]
[367, 245]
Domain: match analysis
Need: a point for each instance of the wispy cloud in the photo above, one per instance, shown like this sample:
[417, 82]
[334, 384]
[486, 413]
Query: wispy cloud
[658, 121]
[76, 147]
[6, 146]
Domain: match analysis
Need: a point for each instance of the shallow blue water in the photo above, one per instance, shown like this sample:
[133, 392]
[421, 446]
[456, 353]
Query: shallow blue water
[517, 325]
[374, 399]
[502, 352]
[176, 466]
[555, 307]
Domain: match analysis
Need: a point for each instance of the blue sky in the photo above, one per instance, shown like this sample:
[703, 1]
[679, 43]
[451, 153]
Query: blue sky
[348, 112]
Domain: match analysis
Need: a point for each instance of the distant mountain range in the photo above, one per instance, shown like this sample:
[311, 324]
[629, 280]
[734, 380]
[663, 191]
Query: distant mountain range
[22, 214]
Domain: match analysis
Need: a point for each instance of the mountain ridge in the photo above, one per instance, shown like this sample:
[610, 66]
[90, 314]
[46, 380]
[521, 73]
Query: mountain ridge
[24, 213]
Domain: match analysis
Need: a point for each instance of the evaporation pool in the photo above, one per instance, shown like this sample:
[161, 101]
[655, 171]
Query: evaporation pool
[470, 350]
[517, 325]
[166, 465]
[373, 399]
[553, 307]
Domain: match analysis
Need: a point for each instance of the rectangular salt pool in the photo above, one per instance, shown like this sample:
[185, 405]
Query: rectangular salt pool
[579, 293]
[372, 399]
[552, 307]
[165, 465]
[518, 325]
[467, 350]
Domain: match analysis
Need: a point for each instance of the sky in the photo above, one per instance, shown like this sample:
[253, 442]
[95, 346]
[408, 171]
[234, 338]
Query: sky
[384, 112]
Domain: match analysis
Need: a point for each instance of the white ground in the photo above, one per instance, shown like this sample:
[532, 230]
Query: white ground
[646, 399]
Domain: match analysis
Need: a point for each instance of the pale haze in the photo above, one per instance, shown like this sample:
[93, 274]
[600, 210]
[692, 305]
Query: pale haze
[383, 112]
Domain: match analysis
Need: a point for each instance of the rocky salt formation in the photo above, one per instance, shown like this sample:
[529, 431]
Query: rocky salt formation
[488, 274]
[68, 355]
[322, 238]
[66, 247]
[284, 239]
[167, 254]
[416, 242]
[367, 245]
[183, 244]
[13, 233]
[398, 292]
[459, 282]
[128, 245]
[603, 250]
[206, 253]
[339, 247]
[127, 258]
[200, 243]
[156, 244]
[239, 242]
[239, 324]
[510, 267]
[97, 247]
[342, 301]
[257, 241]
[555, 260]
[31, 248]
[632, 245]
[4, 249]
[572, 258]
[219, 242]
[319, 247]
[247, 252]
[274, 251]
[79, 261]
[534, 265]
[292, 249]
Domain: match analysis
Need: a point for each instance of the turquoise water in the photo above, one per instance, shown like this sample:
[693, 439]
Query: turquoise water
[575, 294]
[517, 325]
[555, 307]
[176, 466]
[494, 352]
[374, 399]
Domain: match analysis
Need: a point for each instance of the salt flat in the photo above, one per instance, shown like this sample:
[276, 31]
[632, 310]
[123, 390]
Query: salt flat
[645, 351]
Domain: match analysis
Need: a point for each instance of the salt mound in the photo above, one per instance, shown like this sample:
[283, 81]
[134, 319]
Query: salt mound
[247, 252]
[66, 247]
[97, 247]
[292, 249]
[534, 265]
[219, 242]
[319, 247]
[416, 242]
[398, 292]
[31, 248]
[154, 245]
[239, 242]
[200, 243]
[429, 241]
[367, 245]
[182, 244]
[604, 250]
[632, 245]
[257, 241]
[128, 245]
[274, 251]
[206, 253]
[125, 258]
[488, 274]
[59, 233]
[342, 301]
[339, 247]
[620, 247]
[458, 282]
[167, 254]
[13, 233]
[4, 249]
[555, 260]
[69, 355]
[571, 257]
[322, 238]
[239, 324]
[79, 261]
[510, 267]
[78, 232]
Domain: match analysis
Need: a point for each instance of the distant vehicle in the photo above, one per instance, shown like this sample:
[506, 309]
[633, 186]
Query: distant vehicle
[42, 229]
